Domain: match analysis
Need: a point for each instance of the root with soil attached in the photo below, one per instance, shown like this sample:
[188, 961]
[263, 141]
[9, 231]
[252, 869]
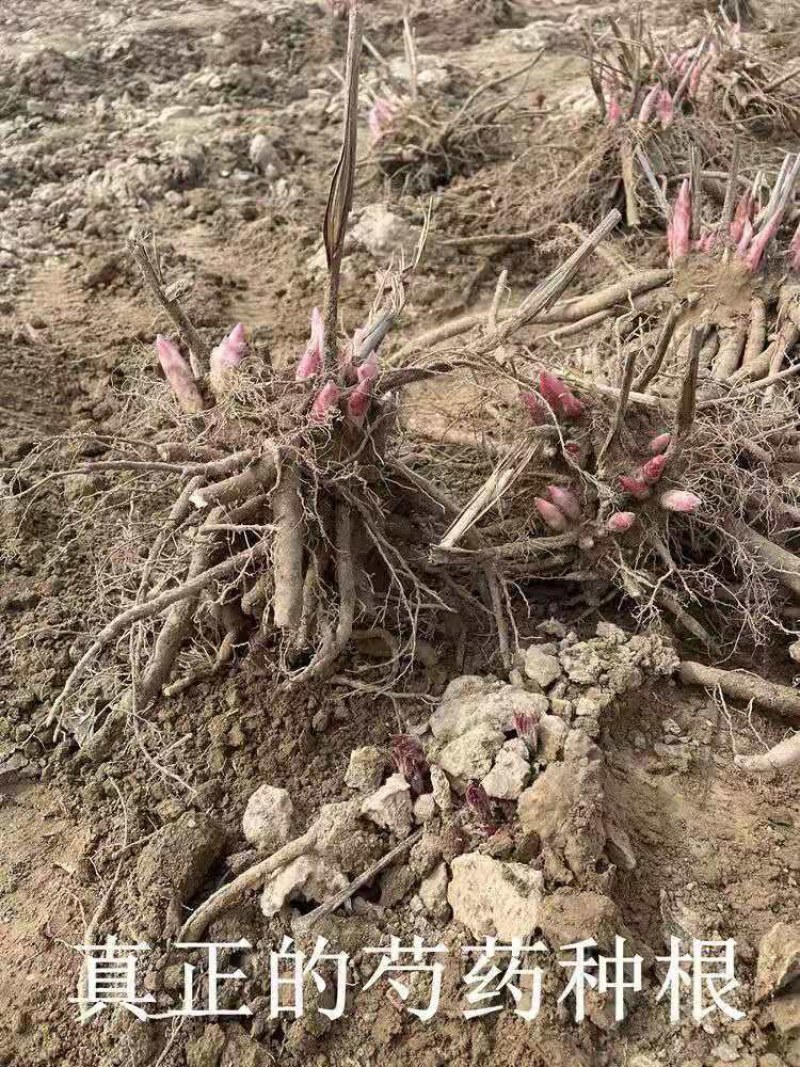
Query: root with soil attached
[283, 534]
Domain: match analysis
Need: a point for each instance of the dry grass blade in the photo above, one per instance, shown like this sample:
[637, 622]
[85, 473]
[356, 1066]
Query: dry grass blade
[340, 197]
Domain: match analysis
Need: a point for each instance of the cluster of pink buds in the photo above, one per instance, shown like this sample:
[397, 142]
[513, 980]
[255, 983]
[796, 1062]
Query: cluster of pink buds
[658, 104]
[361, 376]
[179, 375]
[479, 803]
[750, 239]
[561, 510]
[525, 728]
[381, 115]
[409, 758]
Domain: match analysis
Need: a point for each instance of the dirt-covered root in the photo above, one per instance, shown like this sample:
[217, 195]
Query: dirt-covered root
[784, 756]
[421, 141]
[741, 685]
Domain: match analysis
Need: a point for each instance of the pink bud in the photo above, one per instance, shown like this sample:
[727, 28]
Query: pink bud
[651, 471]
[380, 117]
[573, 449]
[682, 222]
[554, 518]
[746, 238]
[760, 241]
[614, 112]
[744, 211]
[368, 370]
[794, 250]
[311, 360]
[664, 108]
[660, 444]
[649, 104]
[408, 756]
[230, 351]
[565, 501]
[179, 375]
[552, 389]
[706, 241]
[358, 401]
[560, 398]
[525, 727]
[324, 402]
[479, 803]
[571, 407]
[637, 488]
[535, 407]
[680, 500]
[621, 521]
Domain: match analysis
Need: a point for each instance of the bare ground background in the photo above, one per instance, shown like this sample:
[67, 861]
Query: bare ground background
[114, 116]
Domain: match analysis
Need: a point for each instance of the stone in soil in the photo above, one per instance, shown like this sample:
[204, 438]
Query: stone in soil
[489, 896]
[365, 769]
[268, 818]
[390, 806]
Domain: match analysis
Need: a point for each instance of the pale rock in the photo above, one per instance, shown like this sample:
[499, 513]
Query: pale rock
[471, 700]
[491, 897]
[786, 1014]
[770, 1060]
[390, 806]
[263, 155]
[565, 709]
[174, 113]
[516, 744]
[778, 959]
[509, 775]
[619, 848]
[381, 232]
[424, 808]
[432, 71]
[611, 632]
[567, 916]
[564, 807]
[365, 769]
[471, 755]
[268, 818]
[580, 746]
[541, 667]
[426, 854]
[551, 733]
[725, 1053]
[344, 839]
[442, 793]
[433, 892]
[586, 708]
[307, 878]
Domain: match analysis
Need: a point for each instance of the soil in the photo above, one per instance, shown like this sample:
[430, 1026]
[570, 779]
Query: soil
[115, 118]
